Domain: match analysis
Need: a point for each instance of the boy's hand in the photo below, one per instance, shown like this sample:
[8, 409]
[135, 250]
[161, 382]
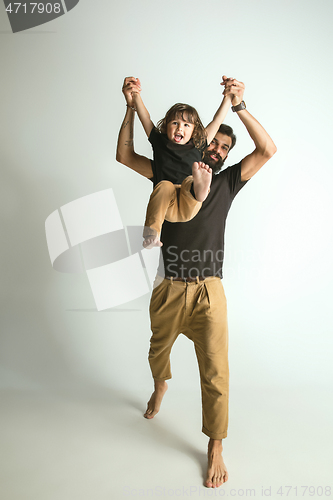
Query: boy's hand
[130, 87]
[234, 88]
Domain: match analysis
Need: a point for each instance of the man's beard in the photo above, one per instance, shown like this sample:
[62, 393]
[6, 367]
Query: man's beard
[214, 165]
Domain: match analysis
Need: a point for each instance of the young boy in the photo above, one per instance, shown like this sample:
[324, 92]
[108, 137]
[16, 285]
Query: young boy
[178, 143]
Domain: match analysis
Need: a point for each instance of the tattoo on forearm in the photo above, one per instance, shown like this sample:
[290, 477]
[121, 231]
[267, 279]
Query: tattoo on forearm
[129, 143]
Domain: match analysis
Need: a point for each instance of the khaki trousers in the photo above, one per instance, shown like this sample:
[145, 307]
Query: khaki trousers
[199, 311]
[171, 202]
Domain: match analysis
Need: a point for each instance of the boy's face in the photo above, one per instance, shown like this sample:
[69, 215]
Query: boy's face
[179, 131]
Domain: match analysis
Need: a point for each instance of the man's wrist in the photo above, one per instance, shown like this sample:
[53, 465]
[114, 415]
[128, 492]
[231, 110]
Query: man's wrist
[131, 107]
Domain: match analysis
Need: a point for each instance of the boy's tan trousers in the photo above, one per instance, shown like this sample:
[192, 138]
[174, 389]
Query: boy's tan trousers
[171, 202]
[198, 310]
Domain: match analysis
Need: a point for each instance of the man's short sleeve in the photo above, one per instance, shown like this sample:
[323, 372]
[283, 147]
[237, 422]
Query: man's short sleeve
[234, 176]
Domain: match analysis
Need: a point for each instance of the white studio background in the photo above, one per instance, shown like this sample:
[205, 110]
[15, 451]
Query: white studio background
[61, 110]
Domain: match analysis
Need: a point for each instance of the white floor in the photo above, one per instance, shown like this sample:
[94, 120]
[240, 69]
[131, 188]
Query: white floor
[63, 447]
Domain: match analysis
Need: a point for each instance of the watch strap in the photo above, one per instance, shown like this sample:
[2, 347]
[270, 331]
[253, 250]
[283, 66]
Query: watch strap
[239, 107]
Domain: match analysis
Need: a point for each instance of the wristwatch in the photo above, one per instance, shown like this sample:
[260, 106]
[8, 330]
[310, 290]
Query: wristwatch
[239, 107]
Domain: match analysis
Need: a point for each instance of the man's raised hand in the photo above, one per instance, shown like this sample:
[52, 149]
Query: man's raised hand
[233, 87]
[131, 86]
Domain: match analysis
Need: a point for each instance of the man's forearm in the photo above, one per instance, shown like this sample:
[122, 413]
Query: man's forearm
[125, 145]
[263, 142]
[264, 150]
[125, 148]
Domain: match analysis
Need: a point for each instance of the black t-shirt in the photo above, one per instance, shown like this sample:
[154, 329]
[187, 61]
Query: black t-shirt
[172, 162]
[196, 248]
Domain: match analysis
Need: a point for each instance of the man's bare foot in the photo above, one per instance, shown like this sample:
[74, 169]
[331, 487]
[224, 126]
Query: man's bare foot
[151, 242]
[202, 178]
[217, 473]
[155, 401]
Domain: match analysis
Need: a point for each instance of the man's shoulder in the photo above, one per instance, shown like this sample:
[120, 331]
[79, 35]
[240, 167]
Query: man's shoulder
[229, 179]
[227, 172]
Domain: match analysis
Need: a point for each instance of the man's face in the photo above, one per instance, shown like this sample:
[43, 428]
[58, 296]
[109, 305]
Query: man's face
[217, 151]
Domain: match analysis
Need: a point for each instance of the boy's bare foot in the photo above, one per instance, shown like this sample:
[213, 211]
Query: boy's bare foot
[217, 473]
[155, 401]
[202, 178]
[151, 242]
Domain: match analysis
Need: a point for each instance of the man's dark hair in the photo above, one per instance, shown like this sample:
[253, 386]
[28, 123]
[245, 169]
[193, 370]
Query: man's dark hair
[226, 130]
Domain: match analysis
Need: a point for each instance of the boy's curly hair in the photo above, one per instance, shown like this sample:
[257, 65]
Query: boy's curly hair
[189, 114]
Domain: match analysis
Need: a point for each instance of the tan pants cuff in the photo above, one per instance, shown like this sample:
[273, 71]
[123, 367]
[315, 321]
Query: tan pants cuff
[214, 435]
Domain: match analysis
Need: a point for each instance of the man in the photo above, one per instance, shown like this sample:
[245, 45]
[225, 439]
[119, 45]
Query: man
[190, 299]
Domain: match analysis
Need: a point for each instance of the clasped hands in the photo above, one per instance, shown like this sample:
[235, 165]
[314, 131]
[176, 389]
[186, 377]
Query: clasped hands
[232, 87]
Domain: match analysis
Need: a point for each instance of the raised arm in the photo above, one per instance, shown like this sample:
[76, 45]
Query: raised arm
[221, 113]
[125, 146]
[142, 111]
[264, 145]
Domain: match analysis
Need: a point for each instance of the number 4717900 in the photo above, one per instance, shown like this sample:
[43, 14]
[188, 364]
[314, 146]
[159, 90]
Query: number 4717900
[39, 7]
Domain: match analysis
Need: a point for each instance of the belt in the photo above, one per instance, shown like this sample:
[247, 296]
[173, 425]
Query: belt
[186, 280]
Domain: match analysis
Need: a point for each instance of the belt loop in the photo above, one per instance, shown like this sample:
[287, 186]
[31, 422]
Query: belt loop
[197, 280]
[171, 279]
